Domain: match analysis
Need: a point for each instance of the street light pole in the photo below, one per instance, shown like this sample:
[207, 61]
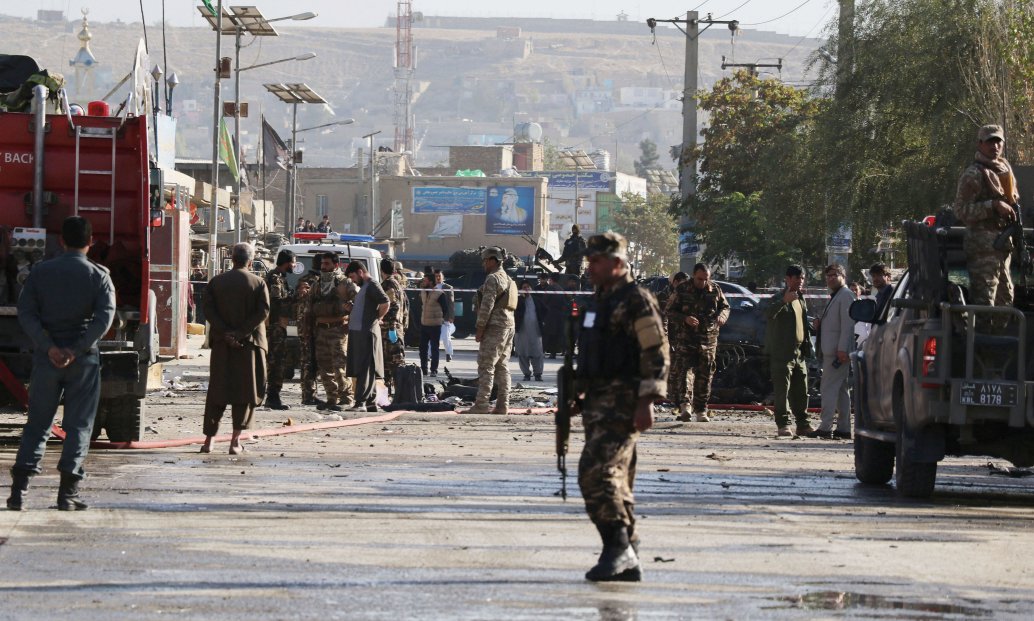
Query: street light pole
[213, 219]
[237, 124]
[291, 180]
[373, 181]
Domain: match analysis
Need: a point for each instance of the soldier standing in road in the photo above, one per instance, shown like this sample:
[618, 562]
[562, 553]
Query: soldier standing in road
[788, 343]
[392, 328]
[496, 302]
[622, 369]
[306, 344]
[984, 202]
[236, 306]
[331, 304]
[696, 312]
[574, 252]
[662, 302]
[281, 302]
[66, 306]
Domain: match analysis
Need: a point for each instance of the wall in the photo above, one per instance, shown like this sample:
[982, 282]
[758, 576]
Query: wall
[421, 245]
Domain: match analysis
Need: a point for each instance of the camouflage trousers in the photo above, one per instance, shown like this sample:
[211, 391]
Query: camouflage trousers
[990, 283]
[692, 369]
[606, 470]
[331, 350]
[276, 358]
[308, 375]
[394, 356]
[494, 366]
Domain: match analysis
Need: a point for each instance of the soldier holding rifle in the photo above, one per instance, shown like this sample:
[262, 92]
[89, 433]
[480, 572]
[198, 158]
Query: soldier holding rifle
[622, 369]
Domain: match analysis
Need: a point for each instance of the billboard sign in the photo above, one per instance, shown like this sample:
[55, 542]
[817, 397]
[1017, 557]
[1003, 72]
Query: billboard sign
[436, 199]
[584, 180]
[511, 210]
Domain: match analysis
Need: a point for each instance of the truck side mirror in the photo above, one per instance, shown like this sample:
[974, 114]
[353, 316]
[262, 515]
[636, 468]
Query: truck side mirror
[863, 310]
[156, 189]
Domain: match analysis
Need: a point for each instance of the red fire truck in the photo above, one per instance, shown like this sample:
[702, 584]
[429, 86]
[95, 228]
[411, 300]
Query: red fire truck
[96, 166]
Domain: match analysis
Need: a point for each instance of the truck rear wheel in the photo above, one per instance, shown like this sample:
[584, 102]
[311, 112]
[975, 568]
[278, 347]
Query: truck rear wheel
[913, 479]
[123, 418]
[873, 460]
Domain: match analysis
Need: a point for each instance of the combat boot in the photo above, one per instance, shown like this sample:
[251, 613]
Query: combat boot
[700, 416]
[68, 494]
[19, 485]
[273, 401]
[618, 562]
[685, 413]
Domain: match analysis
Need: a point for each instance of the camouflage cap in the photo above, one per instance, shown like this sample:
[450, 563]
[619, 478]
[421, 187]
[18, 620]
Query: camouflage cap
[609, 244]
[988, 132]
[493, 252]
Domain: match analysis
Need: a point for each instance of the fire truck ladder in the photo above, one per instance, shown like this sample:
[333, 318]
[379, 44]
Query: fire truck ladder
[96, 133]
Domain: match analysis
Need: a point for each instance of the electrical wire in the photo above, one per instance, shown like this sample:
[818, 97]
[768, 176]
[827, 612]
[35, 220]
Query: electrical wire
[700, 5]
[734, 10]
[808, 34]
[143, 23]
[774, 19]
[663, 66]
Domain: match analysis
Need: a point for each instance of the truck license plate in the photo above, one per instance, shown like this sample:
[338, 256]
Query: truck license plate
[987, 393]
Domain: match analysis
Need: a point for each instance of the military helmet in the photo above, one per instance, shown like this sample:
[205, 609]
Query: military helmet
[609, 244]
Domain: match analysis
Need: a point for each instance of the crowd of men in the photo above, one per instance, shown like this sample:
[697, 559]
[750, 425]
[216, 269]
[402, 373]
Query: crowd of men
[633, 350]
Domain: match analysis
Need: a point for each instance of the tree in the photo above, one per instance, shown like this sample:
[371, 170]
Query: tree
[753, 191]
[648, 159]
[651, 231]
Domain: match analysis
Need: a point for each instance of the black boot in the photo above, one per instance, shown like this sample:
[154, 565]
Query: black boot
[618, 561]
[19, 485]
[68, 494]
[273, 401]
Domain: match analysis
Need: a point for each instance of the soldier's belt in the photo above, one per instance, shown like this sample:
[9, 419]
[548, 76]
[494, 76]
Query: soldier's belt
[331, 324]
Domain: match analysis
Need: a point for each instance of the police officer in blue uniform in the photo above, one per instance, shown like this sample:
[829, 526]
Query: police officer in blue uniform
[66, 306]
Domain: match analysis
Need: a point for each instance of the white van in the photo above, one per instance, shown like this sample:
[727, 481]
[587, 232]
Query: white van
[307, 246]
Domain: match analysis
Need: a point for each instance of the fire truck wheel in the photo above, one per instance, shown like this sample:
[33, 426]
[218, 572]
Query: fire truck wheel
[123, 418]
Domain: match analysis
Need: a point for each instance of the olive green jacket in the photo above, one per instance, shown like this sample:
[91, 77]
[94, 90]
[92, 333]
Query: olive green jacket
[780, 332]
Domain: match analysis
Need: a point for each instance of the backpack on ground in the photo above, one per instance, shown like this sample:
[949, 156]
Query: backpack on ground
[409, 384]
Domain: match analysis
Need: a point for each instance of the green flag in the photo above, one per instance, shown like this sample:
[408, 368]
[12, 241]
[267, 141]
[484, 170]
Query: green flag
[227, 152]
[211, 9]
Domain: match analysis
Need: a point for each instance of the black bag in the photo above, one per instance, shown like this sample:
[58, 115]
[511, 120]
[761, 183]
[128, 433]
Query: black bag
[409, 384]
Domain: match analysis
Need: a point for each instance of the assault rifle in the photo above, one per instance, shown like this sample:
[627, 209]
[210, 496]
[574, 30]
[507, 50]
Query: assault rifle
[1019, 246]
[567, 398]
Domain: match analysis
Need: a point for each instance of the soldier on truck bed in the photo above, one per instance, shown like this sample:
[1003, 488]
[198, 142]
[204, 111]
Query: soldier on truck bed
[985, 202]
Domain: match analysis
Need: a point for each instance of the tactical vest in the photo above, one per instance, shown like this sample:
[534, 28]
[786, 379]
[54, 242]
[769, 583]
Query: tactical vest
[604, 353]
[329, 304]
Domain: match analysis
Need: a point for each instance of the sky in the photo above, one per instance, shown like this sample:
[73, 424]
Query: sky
[792, 17]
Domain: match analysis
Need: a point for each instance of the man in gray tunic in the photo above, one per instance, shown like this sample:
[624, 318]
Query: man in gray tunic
[365, 360]
[66, 306]
[529, 319]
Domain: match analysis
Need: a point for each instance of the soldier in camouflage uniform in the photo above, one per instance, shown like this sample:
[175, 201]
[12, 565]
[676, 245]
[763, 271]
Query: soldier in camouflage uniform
[496, 301]
[662, 302]
[281, 302]
[398, 308]
[331, 304]
[696, 311]
[984, 202]
[307, 347]
[622, 369]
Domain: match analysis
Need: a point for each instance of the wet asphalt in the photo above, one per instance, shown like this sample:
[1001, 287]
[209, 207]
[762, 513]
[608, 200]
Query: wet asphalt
[446, 516]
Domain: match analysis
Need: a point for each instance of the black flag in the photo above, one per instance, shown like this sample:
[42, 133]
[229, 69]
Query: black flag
[274, 151]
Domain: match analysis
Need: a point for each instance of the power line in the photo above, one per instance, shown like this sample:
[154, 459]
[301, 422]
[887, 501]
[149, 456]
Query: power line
[774, 19]
[734, 10]
[808, 34]
[671, 82]
[700, 5]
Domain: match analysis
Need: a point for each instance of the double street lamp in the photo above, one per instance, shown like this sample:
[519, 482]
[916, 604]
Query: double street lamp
[237, 21]
[295, 94]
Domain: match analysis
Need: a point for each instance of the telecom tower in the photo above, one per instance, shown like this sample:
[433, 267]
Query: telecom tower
[405, 63]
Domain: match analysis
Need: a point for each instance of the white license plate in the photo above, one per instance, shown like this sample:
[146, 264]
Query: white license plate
[987, 393]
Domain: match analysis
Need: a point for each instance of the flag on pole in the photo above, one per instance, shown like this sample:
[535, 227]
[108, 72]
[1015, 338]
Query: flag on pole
[227, 152]
[274, 150]
[208, 4]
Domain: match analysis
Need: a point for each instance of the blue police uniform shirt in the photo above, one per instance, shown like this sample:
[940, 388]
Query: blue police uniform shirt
[67, 301]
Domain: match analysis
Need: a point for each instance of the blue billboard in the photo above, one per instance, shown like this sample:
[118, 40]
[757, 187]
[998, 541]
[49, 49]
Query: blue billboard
[435, 199]
[511, 210]
[584, 180]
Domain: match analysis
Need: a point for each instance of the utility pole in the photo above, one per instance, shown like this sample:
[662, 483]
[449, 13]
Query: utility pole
[373, 182]
[213, 220]
[689, 249]
[753, 67]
